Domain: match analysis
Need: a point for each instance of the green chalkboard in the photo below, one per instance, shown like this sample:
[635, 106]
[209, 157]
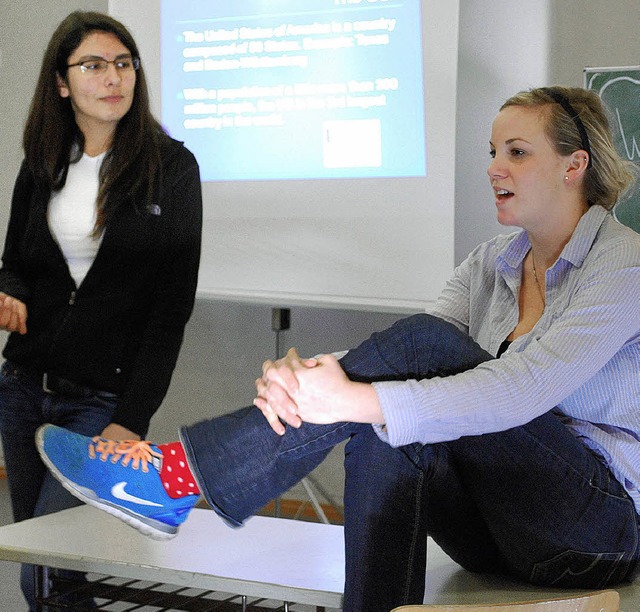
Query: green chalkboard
[619, 88]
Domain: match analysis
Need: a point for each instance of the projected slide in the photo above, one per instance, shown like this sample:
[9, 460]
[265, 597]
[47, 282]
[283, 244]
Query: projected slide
[291, 89]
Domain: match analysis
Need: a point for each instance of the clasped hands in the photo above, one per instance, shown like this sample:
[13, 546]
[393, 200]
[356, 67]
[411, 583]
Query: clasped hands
[293, 390]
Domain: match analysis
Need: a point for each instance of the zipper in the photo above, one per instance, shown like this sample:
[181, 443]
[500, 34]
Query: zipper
[70, 302]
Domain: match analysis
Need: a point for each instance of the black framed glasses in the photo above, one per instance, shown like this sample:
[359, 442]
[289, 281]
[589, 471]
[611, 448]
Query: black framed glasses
[98, 66]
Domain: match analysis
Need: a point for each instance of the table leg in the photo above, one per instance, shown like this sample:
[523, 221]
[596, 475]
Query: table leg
[42, 591]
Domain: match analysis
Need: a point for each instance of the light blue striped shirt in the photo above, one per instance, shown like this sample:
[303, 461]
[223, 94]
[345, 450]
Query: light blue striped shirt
[582, 356]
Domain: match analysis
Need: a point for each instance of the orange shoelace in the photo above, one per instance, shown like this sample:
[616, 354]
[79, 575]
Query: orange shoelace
[127, 451]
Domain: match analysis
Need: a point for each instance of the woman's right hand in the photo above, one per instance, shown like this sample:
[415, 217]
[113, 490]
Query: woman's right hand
[13, 314]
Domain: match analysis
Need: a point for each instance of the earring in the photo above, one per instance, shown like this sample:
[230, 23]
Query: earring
[566, 178]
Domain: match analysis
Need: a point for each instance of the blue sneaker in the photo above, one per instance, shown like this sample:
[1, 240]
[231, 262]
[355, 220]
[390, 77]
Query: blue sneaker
[121, 478]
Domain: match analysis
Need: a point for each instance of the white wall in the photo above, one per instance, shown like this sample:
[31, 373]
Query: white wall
[25, 29]
[504, 46]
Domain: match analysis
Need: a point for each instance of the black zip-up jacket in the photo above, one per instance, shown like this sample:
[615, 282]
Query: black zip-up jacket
[122, 328]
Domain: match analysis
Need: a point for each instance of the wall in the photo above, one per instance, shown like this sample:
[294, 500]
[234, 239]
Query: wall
[504, 47]
[592, 34]
[25, 29]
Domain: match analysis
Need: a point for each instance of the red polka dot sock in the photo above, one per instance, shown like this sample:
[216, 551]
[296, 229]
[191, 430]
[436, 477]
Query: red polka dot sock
[175, 474]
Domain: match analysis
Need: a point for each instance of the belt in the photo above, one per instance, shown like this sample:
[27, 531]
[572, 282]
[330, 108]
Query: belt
[54, 384]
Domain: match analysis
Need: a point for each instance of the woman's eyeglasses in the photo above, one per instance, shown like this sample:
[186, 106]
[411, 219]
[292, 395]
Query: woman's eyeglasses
[98, 66]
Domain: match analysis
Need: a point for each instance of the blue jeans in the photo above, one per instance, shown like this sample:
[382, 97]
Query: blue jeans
[24, 406]
[531, 502]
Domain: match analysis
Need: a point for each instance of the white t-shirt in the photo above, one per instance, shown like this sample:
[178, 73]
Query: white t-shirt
[72, 216]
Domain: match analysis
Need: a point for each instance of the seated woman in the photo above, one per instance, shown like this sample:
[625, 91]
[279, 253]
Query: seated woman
[505, 421]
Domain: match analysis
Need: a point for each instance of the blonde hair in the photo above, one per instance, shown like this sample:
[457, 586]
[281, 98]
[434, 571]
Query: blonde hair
[610, 176]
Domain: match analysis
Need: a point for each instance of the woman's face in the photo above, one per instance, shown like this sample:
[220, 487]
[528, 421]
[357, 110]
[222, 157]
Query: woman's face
[99, 101]
[527, 174]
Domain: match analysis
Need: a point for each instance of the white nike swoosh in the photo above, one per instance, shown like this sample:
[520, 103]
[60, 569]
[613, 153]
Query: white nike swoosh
[119, 493]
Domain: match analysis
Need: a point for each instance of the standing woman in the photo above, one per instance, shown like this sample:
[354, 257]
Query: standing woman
[101, 257]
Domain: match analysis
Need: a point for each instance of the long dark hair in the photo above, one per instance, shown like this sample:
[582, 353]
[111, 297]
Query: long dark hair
[52, 139]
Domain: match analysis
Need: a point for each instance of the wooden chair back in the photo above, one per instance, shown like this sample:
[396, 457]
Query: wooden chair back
[599, 601]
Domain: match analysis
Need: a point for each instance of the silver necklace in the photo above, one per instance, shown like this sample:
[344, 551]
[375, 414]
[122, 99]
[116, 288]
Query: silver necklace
[535, 276]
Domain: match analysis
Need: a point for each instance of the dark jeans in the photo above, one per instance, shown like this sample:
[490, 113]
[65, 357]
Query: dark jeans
[531, 502]
[24, 406]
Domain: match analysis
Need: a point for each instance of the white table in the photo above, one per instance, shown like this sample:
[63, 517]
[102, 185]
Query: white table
[276, 559]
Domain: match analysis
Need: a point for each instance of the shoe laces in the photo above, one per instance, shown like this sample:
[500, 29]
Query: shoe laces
[135, 452]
